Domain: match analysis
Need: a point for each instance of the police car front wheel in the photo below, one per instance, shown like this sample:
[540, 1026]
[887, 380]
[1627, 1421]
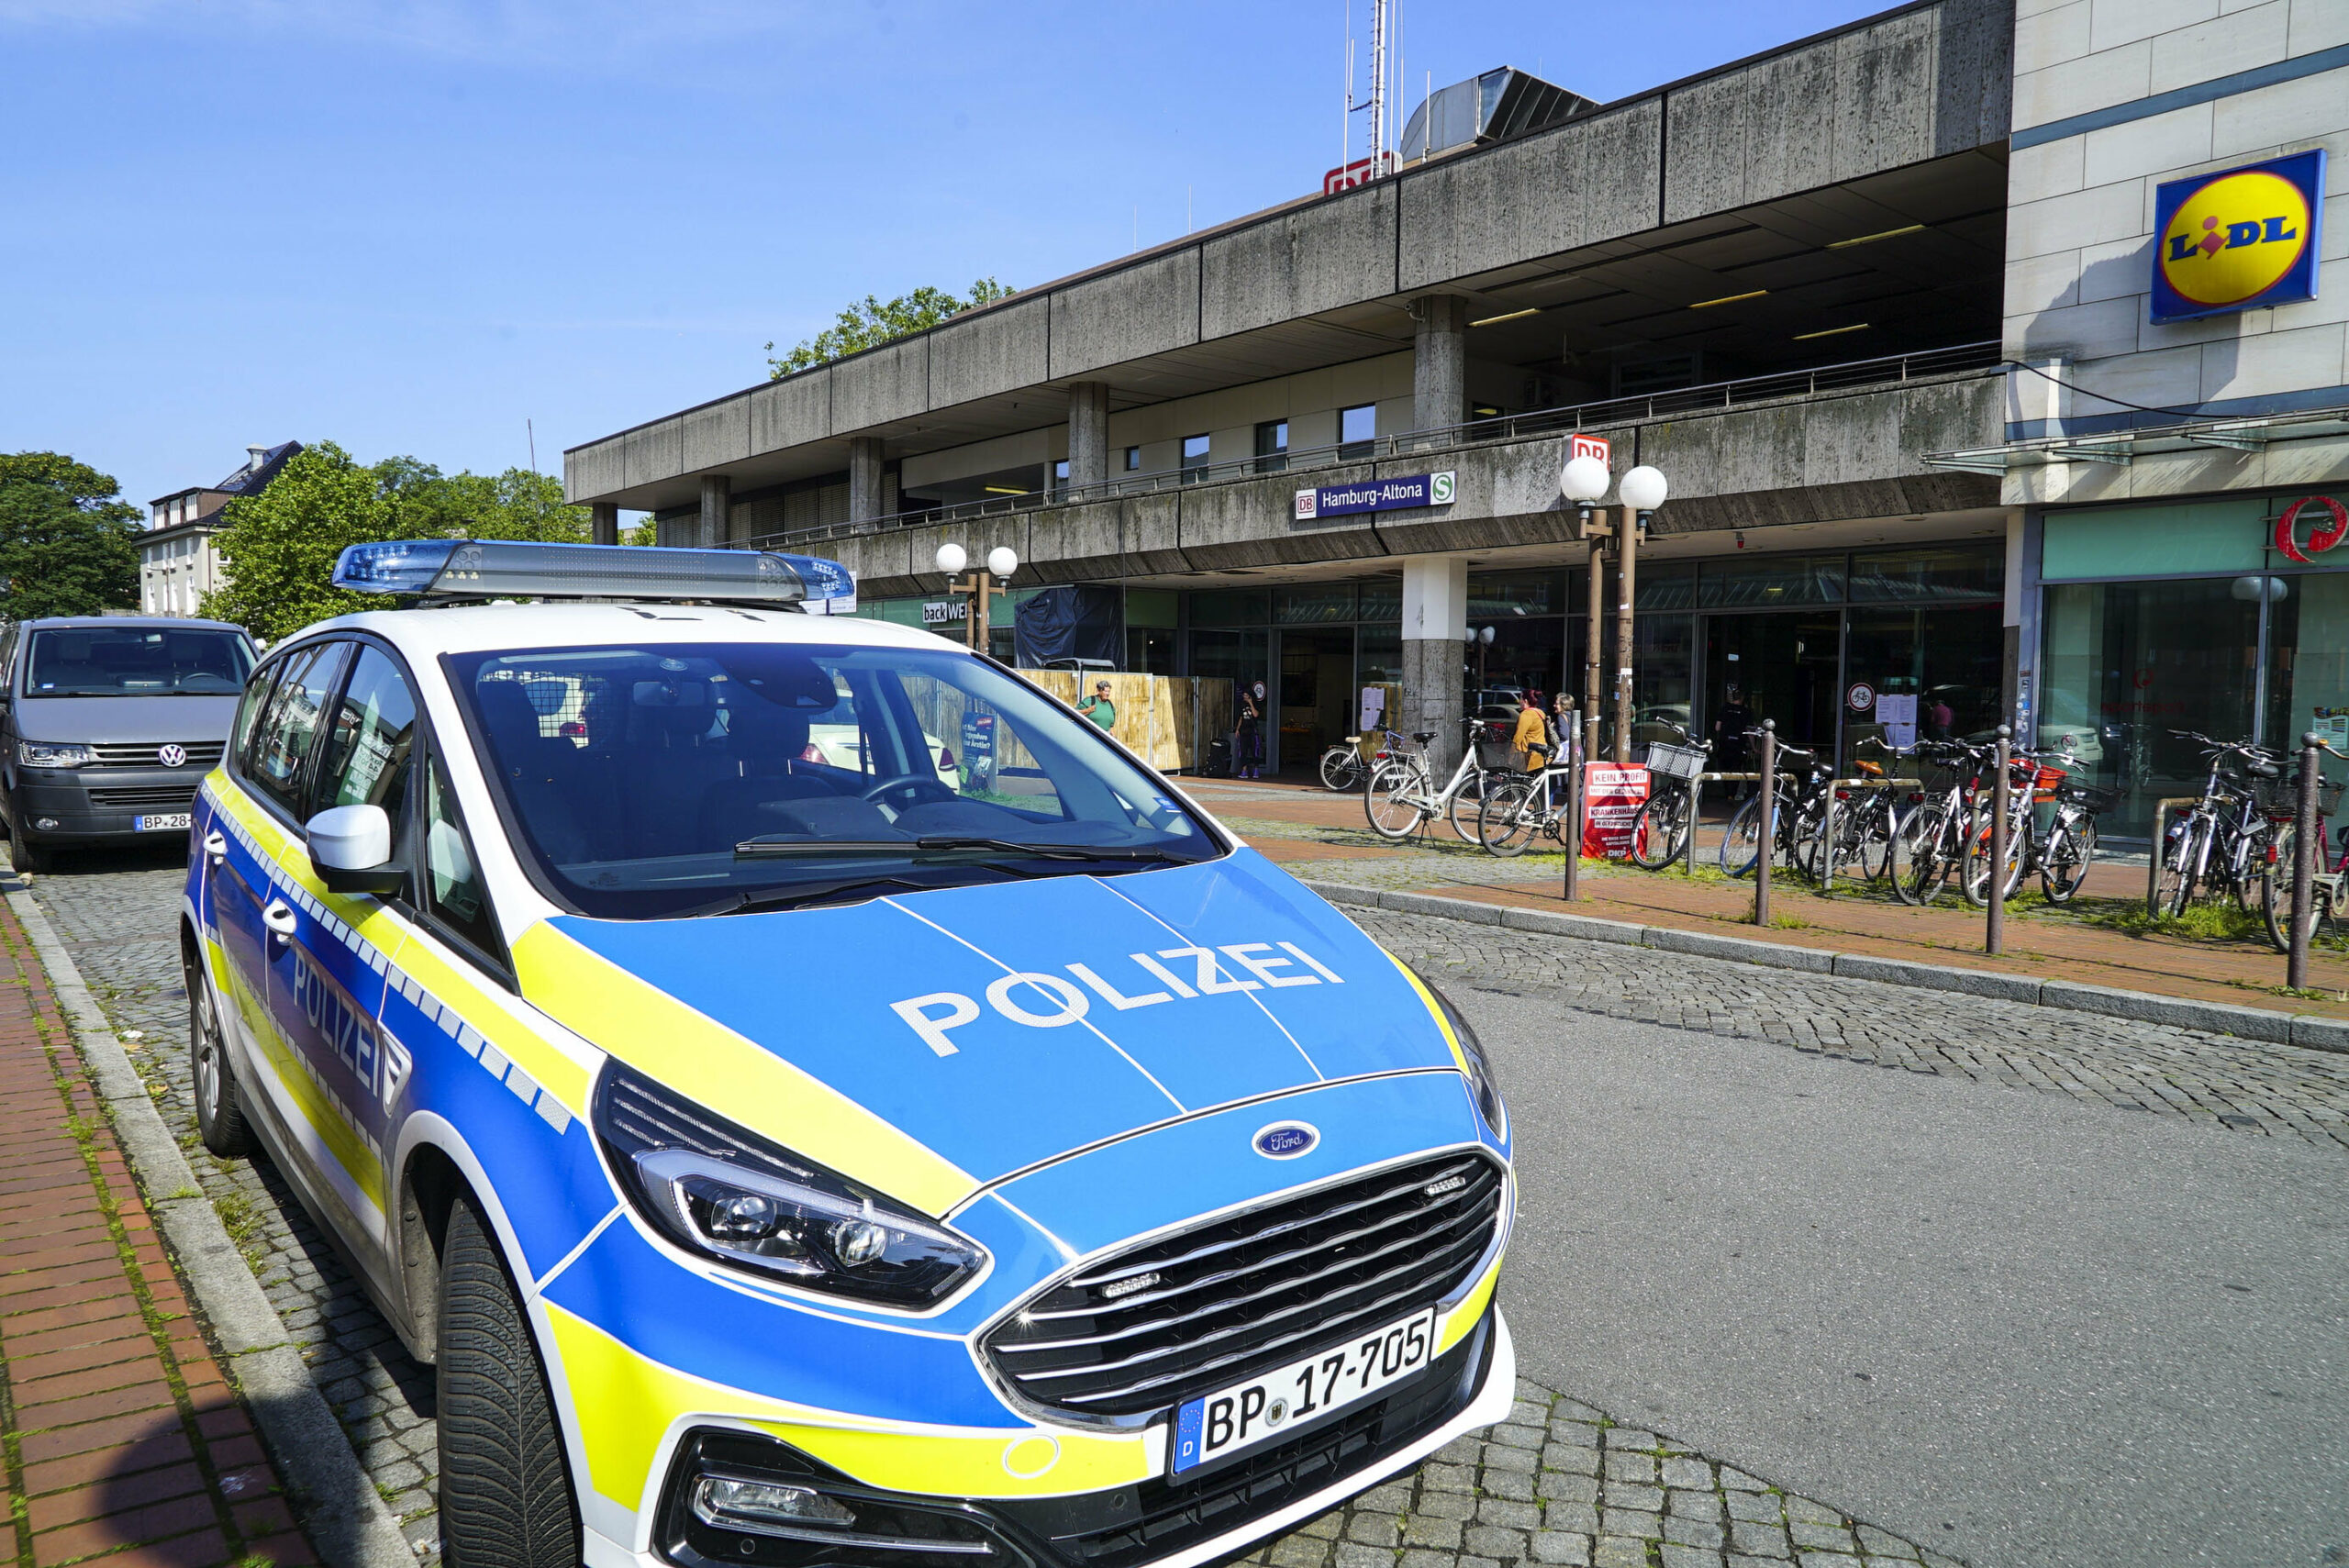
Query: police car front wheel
[219, 1114]
[505, 1491]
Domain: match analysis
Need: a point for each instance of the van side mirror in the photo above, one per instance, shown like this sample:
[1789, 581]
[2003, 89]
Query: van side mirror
[350, 849]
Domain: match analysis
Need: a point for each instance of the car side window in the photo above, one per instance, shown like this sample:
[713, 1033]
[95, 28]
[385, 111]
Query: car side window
[249, 708]
[370, 742]
[293, 722]
[454, 895]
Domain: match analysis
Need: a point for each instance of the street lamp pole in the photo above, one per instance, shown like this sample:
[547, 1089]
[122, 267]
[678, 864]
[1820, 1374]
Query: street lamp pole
[1583, 482]
[977, 588]
[1643, 490]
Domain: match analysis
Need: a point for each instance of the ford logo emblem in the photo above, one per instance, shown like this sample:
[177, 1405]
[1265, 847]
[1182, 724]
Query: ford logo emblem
[172, 756]
[1286, 1140]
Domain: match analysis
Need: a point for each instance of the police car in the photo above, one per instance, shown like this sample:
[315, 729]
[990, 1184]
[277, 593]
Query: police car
[794, 1163]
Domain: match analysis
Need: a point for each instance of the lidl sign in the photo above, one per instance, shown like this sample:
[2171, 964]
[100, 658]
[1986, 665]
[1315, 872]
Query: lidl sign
[2239, 239]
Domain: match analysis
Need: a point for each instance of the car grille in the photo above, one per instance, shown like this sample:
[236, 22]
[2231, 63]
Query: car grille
[162, 798]
[1229, 1300]
[202, 755]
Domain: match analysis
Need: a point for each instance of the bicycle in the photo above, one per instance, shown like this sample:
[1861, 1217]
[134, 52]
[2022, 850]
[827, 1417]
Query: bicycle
[2279, 801]
[2064, 856]
[2032, 782]
[1519, 808]
[1344, 766]
[1669, 815]
[2223, 842]
[1933, 840]
[1793, 791]
[1864, 823]
[1402, 795]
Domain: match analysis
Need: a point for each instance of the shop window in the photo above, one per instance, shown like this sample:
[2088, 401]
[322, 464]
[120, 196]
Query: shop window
[1952, 572]
[1381, 599]
[1660, 586]
[1357, 429]
[1767, 581]
[1379, 654]
[1495, 595]
[1195, 459]
[1316, 604]
[1150, 649]
[1271, 446]
[1231, 606]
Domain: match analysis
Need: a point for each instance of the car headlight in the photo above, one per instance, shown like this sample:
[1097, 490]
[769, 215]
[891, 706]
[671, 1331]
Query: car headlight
[49, 755]
[724, 1192]
[1480, 1066]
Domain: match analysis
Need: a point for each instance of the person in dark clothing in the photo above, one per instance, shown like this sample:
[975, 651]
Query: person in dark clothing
[1248, 736]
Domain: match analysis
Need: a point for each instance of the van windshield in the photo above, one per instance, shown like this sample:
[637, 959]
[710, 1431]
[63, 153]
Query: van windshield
[672, 780]
[135, 662]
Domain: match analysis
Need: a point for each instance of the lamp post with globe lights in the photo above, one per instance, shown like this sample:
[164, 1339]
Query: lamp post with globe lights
[978, 587]
[1643, 491]
[1583, 482]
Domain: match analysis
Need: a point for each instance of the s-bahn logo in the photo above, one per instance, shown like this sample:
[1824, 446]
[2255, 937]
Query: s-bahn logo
[2327, 522]
[2240, 240]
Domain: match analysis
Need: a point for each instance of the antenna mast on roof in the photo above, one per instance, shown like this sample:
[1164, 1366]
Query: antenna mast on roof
[1379, 42]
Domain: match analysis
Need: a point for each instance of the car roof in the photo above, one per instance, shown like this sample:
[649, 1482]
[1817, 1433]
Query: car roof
[425, 634]
[43, 622]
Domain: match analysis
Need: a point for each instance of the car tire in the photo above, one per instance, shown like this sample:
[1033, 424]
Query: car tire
[219, 1113]
[24, 856]
[506, 1499]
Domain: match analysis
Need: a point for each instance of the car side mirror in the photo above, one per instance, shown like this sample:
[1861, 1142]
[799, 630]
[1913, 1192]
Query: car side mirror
[350, 849]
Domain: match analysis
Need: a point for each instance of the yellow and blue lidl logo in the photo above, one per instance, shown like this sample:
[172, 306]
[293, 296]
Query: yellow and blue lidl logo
[2239, 239]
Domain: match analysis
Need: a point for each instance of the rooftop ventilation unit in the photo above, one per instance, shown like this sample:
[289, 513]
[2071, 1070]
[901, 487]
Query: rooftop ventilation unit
[1483, 109]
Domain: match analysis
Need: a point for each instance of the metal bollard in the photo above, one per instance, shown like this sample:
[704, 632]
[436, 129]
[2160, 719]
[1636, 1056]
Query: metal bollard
[2304, 864]
[1827, 838]
[1769, 815]
[1696, 816]
[1995, 890]
[1571, 739]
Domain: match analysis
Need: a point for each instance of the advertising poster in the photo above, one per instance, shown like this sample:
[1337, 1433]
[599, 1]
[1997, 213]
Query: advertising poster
[978, 750]
[1612, 798]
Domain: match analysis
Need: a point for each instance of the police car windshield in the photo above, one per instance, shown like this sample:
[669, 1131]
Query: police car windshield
[698, 778]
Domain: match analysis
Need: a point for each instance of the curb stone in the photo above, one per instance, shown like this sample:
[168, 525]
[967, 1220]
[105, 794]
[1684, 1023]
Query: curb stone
[2308, 1031]
[345, 1517]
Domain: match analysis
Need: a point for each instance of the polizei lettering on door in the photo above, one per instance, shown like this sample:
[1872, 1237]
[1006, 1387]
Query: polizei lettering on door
[1043, 1000]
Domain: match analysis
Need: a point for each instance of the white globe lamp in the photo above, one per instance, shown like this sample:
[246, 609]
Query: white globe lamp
[1002, 562]
[1644, 489]
[951, 559]
[1584, 480]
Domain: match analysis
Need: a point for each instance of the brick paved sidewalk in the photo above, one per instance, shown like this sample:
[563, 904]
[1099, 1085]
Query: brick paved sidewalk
[122, 1438]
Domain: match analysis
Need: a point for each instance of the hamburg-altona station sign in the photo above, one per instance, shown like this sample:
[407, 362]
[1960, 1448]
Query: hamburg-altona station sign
[1375, 495]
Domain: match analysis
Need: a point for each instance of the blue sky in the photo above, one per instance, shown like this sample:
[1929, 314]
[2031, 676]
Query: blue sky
[411, 225]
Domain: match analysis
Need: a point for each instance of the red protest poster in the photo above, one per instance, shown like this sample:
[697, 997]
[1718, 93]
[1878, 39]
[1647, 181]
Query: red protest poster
[1612, 798]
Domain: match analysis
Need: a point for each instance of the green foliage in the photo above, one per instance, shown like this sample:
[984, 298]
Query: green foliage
[278, 547]
[871, 322]
[67, 538]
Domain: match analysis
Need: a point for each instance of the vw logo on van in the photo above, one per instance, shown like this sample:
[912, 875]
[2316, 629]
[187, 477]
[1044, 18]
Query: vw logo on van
[1286, 1140]
[171, 755]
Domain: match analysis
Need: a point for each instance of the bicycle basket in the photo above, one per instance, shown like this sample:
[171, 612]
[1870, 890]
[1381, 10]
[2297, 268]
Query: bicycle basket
[2279, 799]
[2093, 798]
[1674, 761]
[1499, 756]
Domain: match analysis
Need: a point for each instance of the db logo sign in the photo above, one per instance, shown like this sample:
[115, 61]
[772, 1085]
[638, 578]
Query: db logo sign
[2240, 240]
[2329, 525]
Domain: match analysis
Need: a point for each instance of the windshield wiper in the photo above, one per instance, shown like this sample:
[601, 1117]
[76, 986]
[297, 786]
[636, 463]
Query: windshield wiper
[751, 903]
[790, 849]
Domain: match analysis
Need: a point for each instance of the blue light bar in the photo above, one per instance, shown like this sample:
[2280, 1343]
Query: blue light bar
[498, 568]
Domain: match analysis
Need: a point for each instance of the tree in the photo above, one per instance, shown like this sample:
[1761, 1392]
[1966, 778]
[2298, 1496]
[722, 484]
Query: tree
[871, 322]
[279, 548]
[68, 540]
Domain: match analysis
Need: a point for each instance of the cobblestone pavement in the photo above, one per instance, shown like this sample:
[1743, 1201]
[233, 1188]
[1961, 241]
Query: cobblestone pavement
[1560, 1484]
[2218, 1080]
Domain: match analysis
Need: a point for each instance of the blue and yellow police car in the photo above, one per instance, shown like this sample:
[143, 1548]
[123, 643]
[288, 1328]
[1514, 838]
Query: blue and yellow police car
[797, 1155]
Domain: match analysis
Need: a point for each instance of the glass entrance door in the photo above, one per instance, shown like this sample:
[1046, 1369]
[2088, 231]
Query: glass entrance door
[1781, 666]
[1314, 706]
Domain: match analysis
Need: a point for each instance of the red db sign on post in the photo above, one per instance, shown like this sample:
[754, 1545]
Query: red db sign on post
[1590, 446]
[1612, 800]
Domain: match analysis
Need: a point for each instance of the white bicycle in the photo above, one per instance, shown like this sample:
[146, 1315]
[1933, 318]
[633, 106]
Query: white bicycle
[1402, 794]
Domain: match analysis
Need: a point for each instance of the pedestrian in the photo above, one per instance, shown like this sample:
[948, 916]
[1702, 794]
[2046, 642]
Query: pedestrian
[1531, 737]
[1099, 707]
[1939, 722]
[1248, 735]
[1562, 725]
[1729, 734]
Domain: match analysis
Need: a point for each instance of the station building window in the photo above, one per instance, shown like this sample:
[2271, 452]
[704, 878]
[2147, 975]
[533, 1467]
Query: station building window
[1195, 459]
[1271, 446]
[1357, 428]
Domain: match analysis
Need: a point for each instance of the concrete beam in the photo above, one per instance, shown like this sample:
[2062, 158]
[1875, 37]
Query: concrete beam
[1149, 308]
[991, 351]
[1439, 361]
[881, 386]
[864, 464]
[1299, 263]
[1089, 432]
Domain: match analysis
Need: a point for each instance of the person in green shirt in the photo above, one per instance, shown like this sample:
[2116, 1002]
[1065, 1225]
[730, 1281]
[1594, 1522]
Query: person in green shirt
[1099, 707]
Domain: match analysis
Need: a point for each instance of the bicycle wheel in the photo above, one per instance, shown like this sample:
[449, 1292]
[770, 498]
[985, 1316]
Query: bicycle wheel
[1872, 829]
[1918, 862]
[2276, 889]
[1662, 831]
[1506, 820]
[1464, 805]
[2071, 846]
[1341, 768]
[2173, 887]
[1739, 840]
[1392, 801]
[1974, 880]
[2252, 859]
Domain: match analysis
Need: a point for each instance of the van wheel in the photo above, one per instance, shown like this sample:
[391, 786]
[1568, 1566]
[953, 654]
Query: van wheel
[505, 1491]
[219, 1114]
[24, 856]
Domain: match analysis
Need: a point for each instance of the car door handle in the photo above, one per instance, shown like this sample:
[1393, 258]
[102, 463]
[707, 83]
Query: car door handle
[278, 916]
[215, 844]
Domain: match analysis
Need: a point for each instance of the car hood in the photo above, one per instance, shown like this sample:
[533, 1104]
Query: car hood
[95, 720]
[934, 1043]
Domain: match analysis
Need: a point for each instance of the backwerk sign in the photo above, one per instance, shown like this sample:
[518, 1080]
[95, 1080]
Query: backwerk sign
[2239, 239]
[1375, 495]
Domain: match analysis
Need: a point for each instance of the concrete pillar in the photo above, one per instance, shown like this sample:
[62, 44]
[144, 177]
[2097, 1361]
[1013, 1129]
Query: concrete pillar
[864, 501]
[1435, 623]
[604, 523]
[717, 494]
[1439, 361]
[1089, 432]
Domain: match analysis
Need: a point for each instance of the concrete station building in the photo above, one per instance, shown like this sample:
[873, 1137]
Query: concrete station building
[1879, 303]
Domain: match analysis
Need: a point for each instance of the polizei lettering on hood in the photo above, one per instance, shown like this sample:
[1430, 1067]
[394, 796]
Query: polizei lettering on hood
[1043, 1000]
